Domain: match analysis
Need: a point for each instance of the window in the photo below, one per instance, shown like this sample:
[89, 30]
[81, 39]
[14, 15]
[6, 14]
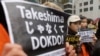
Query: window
[74, 6]
[80, 10]
[91, 8]
[99, 6]
[80, 4]
[68, 6]
[68, 11]
[74, 11]
[70, 1]
[52, 0]
[85, 9]
[91, 1]
[85, 3]
[60, 0]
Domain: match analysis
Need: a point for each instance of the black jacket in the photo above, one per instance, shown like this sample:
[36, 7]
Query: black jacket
[96, 50]
[98, 31]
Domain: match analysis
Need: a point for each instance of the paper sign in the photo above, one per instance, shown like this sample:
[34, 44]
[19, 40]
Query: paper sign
[86, 35]
[39, 29]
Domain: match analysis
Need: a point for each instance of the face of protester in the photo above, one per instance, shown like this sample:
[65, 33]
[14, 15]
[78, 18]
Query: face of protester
[74, 26]
[83, 23]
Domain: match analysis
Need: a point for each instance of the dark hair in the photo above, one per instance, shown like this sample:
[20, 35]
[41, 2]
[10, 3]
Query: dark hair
[82, 17]
[89, 21]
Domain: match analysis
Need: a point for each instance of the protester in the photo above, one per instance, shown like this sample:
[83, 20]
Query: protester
[73, 26]
[96, 51]
[83, 22]
[90, 24]
[98, 31]
[86, 47]
[96, 22]
[84, 25]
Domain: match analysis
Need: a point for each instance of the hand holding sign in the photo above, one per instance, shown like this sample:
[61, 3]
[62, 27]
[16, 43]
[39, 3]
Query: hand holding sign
[16, 50]
[70, 50]
[13, 50]
[74, 41]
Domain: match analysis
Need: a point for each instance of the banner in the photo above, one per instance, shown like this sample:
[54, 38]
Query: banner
[39, 29]
[86, 35]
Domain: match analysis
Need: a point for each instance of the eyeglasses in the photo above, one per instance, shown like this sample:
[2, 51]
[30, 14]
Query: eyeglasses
[76, 23]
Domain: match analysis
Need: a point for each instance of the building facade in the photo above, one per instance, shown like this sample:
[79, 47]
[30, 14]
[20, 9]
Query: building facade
[88, 8]
[69, 7]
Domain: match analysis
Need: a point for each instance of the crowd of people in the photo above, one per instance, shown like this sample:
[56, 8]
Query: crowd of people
[75, 23]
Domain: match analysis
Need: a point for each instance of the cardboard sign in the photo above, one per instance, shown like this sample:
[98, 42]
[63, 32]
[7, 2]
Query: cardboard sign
[40, 30]
[86, 35]
[72, 39]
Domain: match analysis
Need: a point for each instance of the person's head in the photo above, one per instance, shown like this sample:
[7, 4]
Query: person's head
[53, 5]
[73, 22]
[90, 21]
[83, 22]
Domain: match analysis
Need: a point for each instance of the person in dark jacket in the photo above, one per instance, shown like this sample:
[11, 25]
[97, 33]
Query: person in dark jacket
[73, 27]
[98, 31]
[96, 50]
[88, 46]
[73, 24]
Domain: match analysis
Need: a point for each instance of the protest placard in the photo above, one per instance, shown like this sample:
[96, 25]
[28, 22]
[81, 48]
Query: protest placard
[86, 35]
[38, 29]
